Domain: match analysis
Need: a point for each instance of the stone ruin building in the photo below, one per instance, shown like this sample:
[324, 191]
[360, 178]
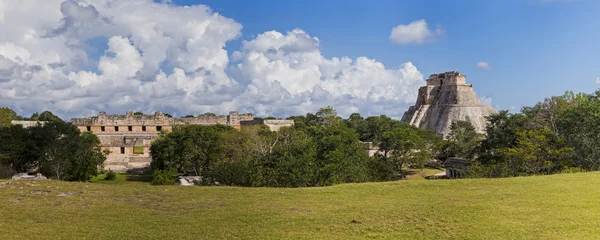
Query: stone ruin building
[447, 98]
[456, 167]
[128, 137]
[27, 124]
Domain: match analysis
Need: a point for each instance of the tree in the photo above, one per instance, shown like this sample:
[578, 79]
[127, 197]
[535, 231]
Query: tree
[56, 149]
[87, 157]
[286, 158]
[463, 140]
[48, 117]
[6, 116]
[190, 148]
[405, 146]
[299, 121]
[537, 151]
[501, 132]
[65, 154]
[579, 124]
[326, 116]
[358, 124]
[14, 153]
[35, 116]
[342, 157]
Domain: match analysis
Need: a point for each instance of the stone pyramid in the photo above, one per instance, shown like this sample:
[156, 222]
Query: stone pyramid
[447, 98]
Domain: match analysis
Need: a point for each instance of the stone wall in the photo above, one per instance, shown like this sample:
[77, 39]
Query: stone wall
[27, 124]
[275, 125]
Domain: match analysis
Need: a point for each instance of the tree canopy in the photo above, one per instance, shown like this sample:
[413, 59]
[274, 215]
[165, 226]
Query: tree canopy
[56, 149]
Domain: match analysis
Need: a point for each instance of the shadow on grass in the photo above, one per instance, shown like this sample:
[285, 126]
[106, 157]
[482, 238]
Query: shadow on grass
[135, 177]
[123, 178]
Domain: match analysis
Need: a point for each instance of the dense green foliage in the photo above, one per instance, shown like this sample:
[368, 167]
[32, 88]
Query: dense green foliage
[557, 135]
[163, 177]
[321, 149]
[110, 176]
[57, 150]
[45, 116]
[6, 116]
[399, 143]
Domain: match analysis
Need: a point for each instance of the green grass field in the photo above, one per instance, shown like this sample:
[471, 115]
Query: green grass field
[563, 206]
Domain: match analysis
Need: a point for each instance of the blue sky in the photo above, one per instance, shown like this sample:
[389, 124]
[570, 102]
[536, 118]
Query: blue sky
[536, 48]
[282, 58]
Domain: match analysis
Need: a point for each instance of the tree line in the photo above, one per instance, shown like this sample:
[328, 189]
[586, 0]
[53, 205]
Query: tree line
[556, 135]
[56, 149]
[559, 134]
[320, 149]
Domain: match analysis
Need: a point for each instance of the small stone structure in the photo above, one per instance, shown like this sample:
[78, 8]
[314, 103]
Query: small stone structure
[28, 124]
[273, 124]
[187, 180]
[447, 98]
[26, 176]
[456, 167]
[128, 137]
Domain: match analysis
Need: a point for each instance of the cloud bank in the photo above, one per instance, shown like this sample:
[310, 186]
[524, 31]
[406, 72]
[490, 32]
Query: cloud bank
[77, 58]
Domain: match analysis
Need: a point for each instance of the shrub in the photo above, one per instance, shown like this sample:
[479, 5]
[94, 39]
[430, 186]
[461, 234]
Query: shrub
[567, 169]
[163, 177]
[110, 176]
[6, 172]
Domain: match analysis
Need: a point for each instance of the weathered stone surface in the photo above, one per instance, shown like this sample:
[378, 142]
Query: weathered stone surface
[447, 98]
[184, 181]
[274, 125]
[28, 124]
[26, 176]
[187, 180]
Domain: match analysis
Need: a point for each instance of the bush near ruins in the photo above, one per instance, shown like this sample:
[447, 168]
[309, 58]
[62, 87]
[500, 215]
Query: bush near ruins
[58, 150]
[163, 177]
[110, 176]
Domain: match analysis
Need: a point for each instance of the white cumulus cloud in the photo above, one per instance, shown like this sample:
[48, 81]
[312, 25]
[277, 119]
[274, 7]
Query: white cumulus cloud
[484, 65]
[598, 80]
[290, 76]
[51, 59]
[416, 32]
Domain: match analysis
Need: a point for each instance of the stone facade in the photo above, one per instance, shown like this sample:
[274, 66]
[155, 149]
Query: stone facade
[128, 137]
[273, 124]
[447, 98]
[28, 124]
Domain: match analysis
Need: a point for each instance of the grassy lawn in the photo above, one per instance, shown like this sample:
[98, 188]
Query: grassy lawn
[563, 206]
